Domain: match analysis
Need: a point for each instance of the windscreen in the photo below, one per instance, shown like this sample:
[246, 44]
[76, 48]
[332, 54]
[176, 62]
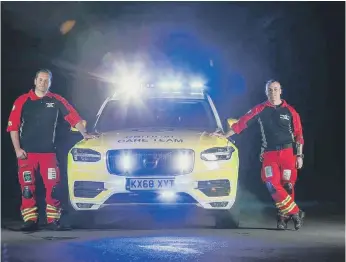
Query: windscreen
[157, 113]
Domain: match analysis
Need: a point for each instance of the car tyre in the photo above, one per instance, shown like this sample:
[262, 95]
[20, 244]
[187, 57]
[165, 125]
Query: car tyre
[78, 219]
[81, 219]
[227, 219]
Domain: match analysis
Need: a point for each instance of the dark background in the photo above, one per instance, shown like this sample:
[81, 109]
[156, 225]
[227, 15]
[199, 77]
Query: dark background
[301, 44]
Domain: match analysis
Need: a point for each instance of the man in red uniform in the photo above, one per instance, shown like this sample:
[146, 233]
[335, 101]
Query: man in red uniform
[281, 130]
[32, 125]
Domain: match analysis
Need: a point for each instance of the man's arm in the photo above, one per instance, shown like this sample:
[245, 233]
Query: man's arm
[246, 120]
[15, 140]
[297, 130]
[72, 116]
[14, 123]
[81, 127]
[298, 136]
[299, 149]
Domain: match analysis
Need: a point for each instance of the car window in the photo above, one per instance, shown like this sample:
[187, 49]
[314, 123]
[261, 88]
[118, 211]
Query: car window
[157, 113]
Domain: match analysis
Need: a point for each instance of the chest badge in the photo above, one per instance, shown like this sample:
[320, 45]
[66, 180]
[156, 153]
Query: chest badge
[285, 117]
[49, 104]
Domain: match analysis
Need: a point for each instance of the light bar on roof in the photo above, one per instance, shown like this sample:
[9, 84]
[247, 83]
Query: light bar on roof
[174, 85]
[133, 86]
[197, 85]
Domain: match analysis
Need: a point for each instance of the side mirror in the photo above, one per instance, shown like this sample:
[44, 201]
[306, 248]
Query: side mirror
[73, 129]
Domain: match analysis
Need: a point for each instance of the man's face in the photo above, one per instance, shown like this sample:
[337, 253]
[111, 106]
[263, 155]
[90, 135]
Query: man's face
[274, 91]
[42, 82]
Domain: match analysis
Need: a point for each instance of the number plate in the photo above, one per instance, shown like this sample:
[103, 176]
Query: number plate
[149, 184]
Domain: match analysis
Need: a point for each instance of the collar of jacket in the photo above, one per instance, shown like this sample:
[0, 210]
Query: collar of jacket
[33, 95]
[283, 104]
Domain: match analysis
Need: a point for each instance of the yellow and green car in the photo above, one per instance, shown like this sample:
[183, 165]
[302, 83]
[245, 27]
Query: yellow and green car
[154, 148]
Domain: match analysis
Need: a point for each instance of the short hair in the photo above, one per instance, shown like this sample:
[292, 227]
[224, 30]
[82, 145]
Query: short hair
[47, 71]
[269, 82]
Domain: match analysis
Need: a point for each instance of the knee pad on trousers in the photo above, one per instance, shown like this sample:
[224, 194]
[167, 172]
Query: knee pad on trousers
[289, 188]
[270, 188]
[55, 192]
[27, 193]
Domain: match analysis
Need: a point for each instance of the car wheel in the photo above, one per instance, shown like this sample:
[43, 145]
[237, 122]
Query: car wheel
[77, 219]
[227, 219]
[80, 219]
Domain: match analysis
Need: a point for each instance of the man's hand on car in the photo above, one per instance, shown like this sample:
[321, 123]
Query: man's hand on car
[88, 136]
[218, 134]
[221, 135]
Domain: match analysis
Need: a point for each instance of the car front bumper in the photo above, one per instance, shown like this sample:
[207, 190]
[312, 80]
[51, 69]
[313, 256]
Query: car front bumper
[215, 191]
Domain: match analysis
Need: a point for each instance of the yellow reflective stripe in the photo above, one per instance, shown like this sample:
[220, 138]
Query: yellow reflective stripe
[283, 203]
[30, 216]
[52, 209]
[28, 210]
[288, 209]
[33, 213]
[53, 215]
[49, 207]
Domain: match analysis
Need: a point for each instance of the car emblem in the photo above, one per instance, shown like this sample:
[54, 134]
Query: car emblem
[150, 162]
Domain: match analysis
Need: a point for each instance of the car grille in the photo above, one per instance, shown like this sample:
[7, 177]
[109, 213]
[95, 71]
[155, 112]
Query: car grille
[215, 188]
[153, 162]
[88, 189]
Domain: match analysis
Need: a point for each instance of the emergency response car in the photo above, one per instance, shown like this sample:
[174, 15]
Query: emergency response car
[154, 148]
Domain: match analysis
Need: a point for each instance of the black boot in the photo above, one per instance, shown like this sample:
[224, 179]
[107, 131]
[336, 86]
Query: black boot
[298, 219]
[282, 221]
[57, 226]
[29, 226]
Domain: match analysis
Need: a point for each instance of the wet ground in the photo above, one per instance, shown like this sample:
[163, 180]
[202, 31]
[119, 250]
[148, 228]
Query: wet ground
[142, 238]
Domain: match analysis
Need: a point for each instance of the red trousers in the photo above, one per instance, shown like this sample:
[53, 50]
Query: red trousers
[46, 164]
[279, 173]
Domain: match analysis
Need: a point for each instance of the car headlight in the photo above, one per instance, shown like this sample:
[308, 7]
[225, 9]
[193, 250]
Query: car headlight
[85, 155]
[184, 161]
[150, 161]
[217, 153]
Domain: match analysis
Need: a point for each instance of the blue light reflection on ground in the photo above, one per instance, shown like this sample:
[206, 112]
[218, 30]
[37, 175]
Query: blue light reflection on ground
[144, 249]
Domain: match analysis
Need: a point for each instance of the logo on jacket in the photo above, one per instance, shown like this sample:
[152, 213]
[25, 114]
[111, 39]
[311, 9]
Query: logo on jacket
[285, 117]
[49, 104]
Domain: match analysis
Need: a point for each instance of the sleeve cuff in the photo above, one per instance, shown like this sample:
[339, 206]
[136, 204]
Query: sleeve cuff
[300, 140]
[236, 128]
[73, 120]
[9, 129]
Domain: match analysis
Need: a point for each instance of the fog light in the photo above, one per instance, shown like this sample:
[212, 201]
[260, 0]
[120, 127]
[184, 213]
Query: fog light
[219, 204]
[168, 195]
[84, 205]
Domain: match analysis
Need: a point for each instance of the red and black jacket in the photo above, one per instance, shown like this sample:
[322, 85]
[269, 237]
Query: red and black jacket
[36, 118]
[279, 125]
